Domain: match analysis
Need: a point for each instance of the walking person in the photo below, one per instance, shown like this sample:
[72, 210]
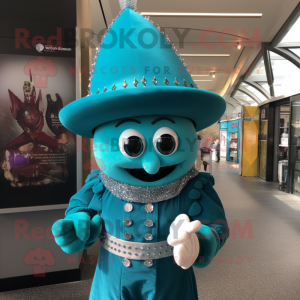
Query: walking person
[217, 147]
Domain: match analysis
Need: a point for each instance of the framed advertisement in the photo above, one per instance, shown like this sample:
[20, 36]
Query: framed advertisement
[38, 155]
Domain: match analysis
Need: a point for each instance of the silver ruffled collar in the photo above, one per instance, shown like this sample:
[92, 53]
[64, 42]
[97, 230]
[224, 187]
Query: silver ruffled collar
[151, 194]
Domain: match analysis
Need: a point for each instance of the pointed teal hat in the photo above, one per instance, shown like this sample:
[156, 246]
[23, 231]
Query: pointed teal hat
[137, 72]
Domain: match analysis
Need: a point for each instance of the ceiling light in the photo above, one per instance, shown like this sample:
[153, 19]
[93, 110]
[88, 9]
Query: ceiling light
[218, 15]
[238, 46]
[213, 74]
[205, 55]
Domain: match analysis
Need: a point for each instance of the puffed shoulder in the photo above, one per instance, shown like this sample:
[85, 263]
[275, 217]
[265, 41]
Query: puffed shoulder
[94, 182]
[203, 196]
[89, 197]
[204, 177]
[94, 174]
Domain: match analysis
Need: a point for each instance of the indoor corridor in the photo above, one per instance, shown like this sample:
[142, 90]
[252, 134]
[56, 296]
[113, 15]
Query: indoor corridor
[260, 260]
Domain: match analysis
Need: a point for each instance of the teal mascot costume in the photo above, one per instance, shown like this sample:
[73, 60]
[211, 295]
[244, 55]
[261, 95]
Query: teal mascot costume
[155, 215]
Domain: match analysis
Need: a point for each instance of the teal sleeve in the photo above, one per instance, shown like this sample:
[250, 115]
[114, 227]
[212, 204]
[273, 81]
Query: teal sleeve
[214, 230]
[80, 202]
[210, 243]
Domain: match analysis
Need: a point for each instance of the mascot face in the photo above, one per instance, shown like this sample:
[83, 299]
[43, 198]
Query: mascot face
[146, 151]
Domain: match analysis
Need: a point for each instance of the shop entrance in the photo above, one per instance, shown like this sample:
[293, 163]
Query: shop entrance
[281, 144]
[223, 142]
[294, 164]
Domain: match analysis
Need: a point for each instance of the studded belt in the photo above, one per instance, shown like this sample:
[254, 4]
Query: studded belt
[136, 251]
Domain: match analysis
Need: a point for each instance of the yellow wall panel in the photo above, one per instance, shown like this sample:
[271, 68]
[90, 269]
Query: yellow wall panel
[250, 141]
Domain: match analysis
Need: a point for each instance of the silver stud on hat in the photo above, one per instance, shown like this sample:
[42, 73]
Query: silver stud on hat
[144, 81]
[105, 90]
[166, 81]
[114, 87]
[135, 82]
[125, 84]
[98, 92]
[184, 83]
[154, 81]
[176, 82]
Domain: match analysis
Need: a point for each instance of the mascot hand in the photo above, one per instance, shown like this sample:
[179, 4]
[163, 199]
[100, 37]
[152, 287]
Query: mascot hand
[76, 232]
[184, 240]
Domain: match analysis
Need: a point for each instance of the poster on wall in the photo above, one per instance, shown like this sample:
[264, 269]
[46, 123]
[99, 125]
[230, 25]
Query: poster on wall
[38, 154]
[264, 113]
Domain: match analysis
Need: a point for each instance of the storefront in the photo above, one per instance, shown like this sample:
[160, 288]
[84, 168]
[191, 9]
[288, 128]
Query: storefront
[279, 143]
[223, 139]
[230, 140]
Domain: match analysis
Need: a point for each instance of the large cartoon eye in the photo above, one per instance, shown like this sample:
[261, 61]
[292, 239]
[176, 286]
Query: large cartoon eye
[165, 141]
[132, 143]
[44, 68]
[36, 68]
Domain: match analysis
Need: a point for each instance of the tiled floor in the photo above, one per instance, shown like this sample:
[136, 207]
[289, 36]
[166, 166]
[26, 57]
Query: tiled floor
[263, 266]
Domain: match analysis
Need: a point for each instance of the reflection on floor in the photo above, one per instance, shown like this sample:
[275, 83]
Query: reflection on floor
[261, 259]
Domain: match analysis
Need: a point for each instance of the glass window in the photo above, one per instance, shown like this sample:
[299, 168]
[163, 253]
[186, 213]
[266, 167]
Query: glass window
[259, 72]
[256, 92]
[286, 75]
[242, 96]
[230, 112]
[295, 51]
[295, 148]
[293, 34]
[265, 85]
[262, 141]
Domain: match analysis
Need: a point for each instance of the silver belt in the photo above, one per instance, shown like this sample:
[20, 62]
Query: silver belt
[136, 251]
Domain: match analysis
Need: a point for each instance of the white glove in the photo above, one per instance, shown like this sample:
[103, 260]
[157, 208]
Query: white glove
[185, 241]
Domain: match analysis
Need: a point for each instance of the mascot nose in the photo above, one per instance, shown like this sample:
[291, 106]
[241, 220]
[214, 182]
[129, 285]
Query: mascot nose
[151, 163]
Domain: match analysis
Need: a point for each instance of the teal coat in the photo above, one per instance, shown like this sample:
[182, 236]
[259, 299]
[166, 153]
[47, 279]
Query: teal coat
[165, 279]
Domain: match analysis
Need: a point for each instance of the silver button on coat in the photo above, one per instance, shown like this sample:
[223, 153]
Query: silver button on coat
[127, 222]
[149, 237]
[148, 263]
[128, 207]
[127, 236]
[126, 262]
[149, 208]
[148, 223]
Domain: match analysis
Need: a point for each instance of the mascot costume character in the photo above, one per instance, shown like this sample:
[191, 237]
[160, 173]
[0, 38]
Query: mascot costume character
[155, 215]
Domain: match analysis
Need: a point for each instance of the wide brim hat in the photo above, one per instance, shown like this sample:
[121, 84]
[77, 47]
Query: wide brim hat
[137, 72]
